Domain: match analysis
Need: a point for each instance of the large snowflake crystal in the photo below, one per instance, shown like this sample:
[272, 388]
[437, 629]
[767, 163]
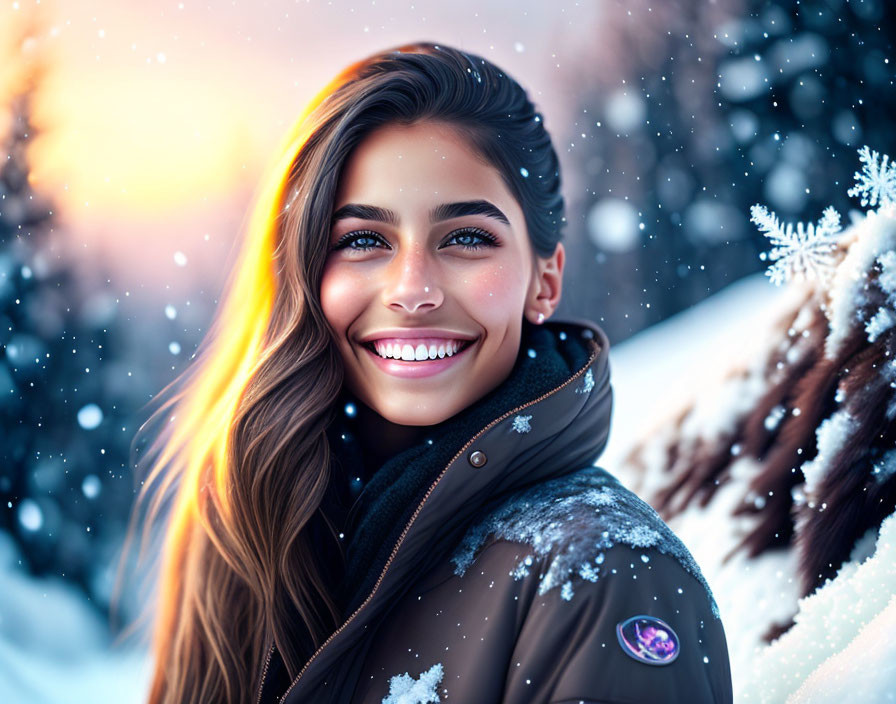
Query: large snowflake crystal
[876, 183]
[806, 251]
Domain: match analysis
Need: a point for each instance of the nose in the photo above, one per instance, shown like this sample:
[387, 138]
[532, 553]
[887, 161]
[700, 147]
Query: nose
[412, 282]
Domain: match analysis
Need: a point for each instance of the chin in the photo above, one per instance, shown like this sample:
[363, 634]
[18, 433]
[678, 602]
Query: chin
[405, 415]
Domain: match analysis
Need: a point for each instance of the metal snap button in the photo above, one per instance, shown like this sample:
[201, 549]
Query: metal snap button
[477, 458]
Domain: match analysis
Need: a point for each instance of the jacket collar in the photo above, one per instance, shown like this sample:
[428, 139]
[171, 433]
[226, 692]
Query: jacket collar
[518, 448]
[549, 418]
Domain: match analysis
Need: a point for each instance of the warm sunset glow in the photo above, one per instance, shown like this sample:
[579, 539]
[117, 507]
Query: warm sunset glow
[131, 122]
[153, 125]
[140, 141]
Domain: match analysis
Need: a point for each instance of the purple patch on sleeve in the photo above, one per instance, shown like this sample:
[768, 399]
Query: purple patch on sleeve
[648, 639]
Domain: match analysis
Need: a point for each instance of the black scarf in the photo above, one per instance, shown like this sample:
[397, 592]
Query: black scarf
[373, 521]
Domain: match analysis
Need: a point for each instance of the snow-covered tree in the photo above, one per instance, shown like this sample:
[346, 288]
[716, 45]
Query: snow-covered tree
[781, 478]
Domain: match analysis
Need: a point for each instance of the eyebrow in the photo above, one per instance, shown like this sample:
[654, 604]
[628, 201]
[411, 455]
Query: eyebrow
[445, 211]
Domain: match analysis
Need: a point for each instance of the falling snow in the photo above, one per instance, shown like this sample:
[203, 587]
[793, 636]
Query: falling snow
[90, 416]
[885, 467]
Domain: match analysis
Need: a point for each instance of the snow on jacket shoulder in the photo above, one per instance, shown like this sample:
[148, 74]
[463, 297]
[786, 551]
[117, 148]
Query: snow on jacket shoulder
[533, 617]
[495, 564]
[621, 611]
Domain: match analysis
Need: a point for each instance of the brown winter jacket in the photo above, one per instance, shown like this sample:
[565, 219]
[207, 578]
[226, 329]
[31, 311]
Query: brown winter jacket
[495, 564]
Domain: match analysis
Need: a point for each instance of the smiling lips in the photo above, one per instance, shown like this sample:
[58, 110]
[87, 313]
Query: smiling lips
[417, 349]
[415, 357]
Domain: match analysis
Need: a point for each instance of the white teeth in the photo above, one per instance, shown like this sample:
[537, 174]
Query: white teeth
[422, 352]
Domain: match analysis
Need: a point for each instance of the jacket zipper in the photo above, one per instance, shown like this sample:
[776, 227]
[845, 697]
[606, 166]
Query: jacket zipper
[407, 527]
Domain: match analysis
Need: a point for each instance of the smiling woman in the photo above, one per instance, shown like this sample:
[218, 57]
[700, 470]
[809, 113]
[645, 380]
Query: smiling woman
[429, 276]
[384, 453]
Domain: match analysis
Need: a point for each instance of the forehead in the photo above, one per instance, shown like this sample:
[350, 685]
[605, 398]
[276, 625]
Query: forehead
[405, 166]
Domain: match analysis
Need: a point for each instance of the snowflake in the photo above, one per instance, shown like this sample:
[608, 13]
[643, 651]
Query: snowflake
[566, 591]
[877, 181]
[404, 689]
[885, 468]
[587, 571]
[587, 384]
[521, 424]
[796, 254]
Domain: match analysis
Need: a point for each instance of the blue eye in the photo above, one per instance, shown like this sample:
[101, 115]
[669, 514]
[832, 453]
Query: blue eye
[474, 232]
[368, 239]
[351, 238]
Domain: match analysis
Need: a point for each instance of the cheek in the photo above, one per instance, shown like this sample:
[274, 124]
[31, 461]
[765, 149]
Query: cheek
[495, 292]
[340, 296]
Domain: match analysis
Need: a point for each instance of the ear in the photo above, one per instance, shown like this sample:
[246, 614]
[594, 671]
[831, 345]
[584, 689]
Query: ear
[546, 286]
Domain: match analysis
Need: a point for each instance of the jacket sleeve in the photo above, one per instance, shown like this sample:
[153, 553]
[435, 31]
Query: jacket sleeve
[569, 650]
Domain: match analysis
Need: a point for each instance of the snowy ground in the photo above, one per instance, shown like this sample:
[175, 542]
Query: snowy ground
[54, 649]
[683, 355]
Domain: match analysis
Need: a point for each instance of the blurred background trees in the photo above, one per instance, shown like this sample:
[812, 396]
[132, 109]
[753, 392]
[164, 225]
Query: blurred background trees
[73, 378]
[694, 111]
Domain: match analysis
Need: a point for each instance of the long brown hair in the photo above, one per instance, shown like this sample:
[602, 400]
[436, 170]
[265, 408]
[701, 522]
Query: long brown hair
[242, 456]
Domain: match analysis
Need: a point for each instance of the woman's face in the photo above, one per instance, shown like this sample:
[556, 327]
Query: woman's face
[429, 274]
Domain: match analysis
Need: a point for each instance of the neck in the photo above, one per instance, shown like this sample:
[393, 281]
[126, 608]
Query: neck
[382, 439]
